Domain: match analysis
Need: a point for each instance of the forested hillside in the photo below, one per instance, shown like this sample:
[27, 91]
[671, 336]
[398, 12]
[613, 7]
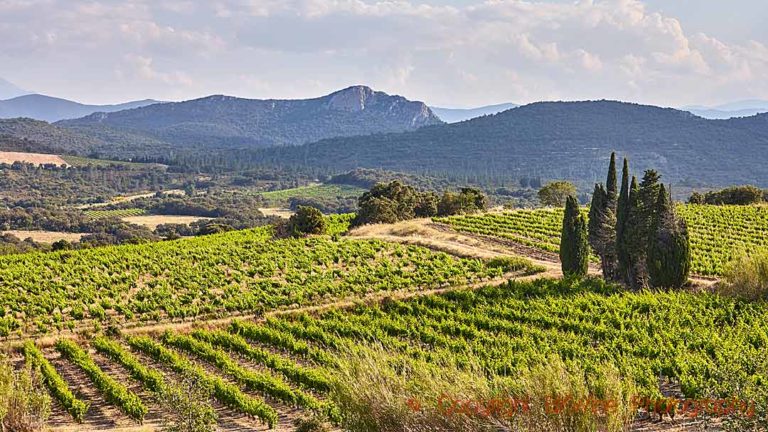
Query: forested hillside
[558, 140]
[229, 122]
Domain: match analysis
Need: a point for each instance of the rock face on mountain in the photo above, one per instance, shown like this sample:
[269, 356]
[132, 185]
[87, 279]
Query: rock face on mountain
[230, 122]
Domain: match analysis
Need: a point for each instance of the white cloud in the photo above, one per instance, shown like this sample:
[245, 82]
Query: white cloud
[492, 51]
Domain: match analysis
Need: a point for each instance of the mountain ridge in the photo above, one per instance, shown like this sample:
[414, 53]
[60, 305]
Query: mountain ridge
[553, 140]
[220, 121]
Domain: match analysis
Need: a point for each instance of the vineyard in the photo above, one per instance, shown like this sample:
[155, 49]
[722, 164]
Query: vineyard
[213, 276]
[264, 369]
[717, 233]
[119, 213]
[281, 197]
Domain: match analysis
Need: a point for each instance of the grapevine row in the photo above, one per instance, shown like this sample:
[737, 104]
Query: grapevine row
[113, 391]
[223, 391]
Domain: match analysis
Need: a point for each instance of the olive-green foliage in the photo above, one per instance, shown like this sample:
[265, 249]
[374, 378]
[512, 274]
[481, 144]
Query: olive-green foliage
[468, 200]
[556, 193]
[669, 250]
[306, 220]
[736, 195]
[574, 245]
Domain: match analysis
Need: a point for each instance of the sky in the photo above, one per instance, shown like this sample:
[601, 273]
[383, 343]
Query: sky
[453, 53]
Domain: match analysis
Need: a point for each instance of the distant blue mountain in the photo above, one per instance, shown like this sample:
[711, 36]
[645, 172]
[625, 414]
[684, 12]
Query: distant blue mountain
[455, 115]
[51, 109]
[745, 108]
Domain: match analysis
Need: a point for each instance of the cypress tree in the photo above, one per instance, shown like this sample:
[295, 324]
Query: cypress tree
[635, 244]
[622, 214]
[574, 244]
[669, 249]
[596, 208]
[611, 186]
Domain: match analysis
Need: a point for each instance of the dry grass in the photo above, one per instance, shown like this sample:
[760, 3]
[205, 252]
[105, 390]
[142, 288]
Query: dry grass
[279, 212]
[152, 221]
[45, 236]
[419, 232]
[34, 158]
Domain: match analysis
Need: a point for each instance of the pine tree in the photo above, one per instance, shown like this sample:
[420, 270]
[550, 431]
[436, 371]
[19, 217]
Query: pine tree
[669, 249]
[622, 214]
[574, 244]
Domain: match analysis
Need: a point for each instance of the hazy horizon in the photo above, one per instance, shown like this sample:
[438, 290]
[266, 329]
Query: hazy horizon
[449, 53]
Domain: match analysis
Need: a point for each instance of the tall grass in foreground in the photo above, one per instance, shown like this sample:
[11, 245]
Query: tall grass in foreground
[24, 403]
[747, 276]
[379, 392]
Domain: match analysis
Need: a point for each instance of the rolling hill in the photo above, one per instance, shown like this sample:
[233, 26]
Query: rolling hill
[51, 109]
[220, 122]
[569, 140]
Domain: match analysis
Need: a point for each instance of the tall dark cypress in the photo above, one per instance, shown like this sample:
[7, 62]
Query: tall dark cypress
[635, 241]
[596, 209]
[669, 248]
[611, 185]
[574, 245]
[622, 213]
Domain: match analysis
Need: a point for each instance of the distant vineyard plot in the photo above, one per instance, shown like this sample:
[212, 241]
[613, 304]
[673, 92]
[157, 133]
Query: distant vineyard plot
[120, 213]
[281, 197]
[717, 233]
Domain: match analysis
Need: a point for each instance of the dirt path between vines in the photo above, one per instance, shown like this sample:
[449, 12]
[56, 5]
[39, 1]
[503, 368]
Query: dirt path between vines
[441, 237]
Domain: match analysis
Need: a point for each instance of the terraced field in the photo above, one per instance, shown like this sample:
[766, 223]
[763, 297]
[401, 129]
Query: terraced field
[718, 233]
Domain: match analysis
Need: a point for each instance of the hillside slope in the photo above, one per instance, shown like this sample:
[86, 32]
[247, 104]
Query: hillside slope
[51, 109]
[229, 122]
[570, 140]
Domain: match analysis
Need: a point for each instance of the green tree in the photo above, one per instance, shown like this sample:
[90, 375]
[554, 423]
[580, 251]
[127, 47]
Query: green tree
[611, 185]
[427, 205]
[669, 249]
[622, 214]
[555, 194]
[307, 220]
[602, 231]
[574, 245]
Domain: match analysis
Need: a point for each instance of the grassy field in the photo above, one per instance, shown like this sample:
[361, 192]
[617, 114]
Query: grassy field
[152, 221]
[33, 158]
[45, 236]
[718, 233]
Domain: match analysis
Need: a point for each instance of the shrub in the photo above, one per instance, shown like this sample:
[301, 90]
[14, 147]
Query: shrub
[307, 220]
[746, 276]
[736, 195]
